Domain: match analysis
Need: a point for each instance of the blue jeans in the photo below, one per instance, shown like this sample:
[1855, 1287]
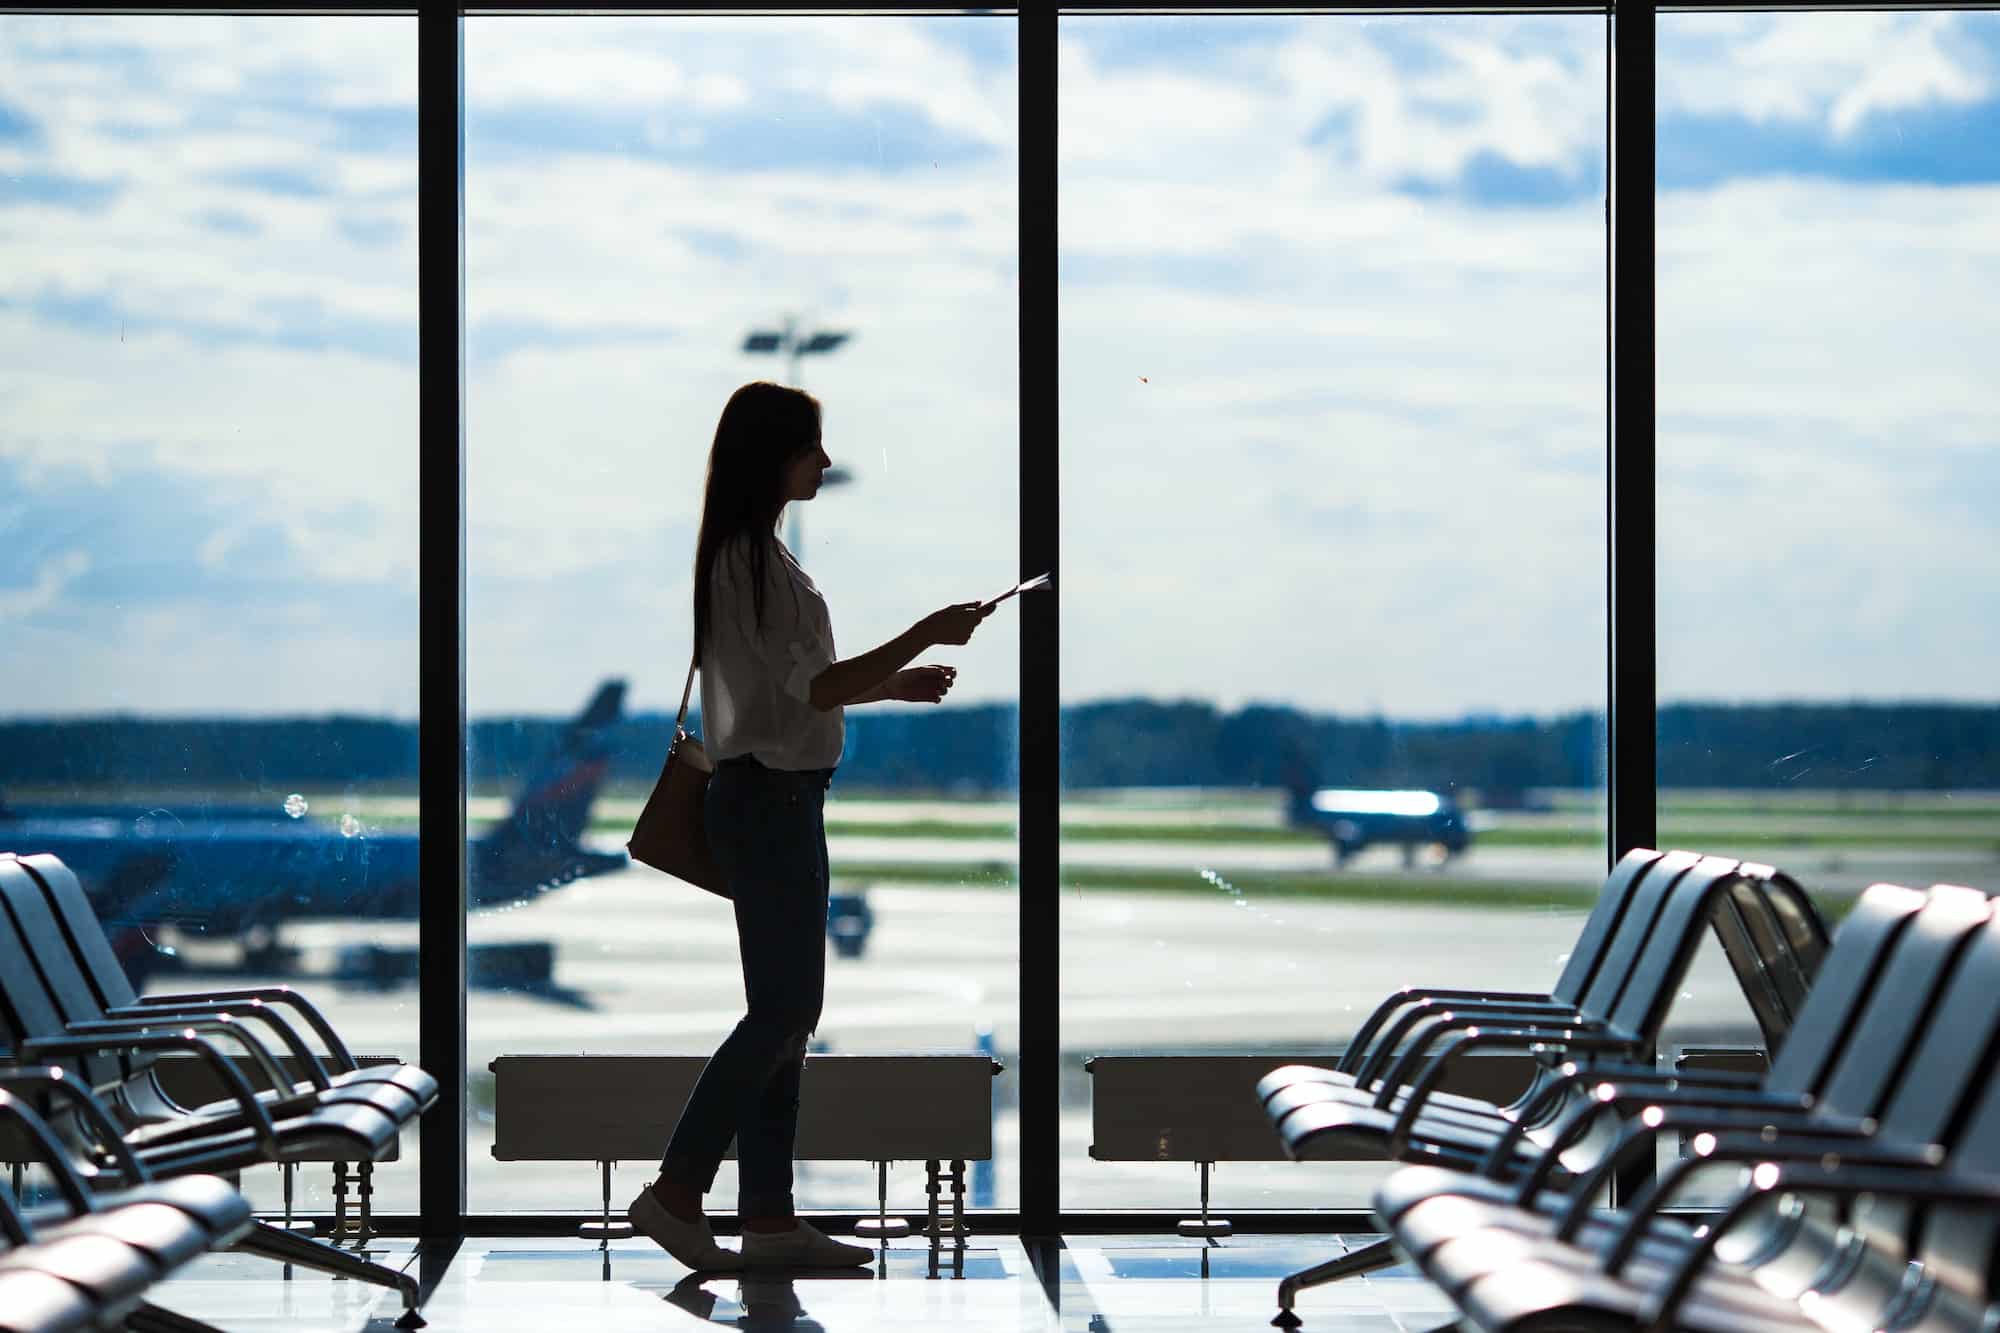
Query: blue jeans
[767, 828]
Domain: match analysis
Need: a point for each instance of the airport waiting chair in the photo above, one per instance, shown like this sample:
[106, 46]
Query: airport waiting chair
[1384, 1029]
[115, 1058]
[1907, 1137]
[1620, 1014]
[1862, 1016]
[87, 1260]
[107, 994]
[1666, 903]
[1769, 930]
[1771, 934]
[46, 949]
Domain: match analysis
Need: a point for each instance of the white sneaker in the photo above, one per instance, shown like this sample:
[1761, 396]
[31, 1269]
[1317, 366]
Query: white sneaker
[690, 1242]
[804, 1246]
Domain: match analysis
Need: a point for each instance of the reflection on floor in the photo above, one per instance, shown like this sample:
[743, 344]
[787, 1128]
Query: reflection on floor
[1086, 1284]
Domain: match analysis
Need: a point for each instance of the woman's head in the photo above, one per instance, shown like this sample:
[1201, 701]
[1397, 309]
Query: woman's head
[766, 454]
[766, 443]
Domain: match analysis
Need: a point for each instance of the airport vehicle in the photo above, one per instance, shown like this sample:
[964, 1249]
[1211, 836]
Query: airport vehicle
[240, 871]
[1353, 819]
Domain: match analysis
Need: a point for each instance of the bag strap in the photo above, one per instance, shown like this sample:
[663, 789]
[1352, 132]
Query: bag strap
[687, 691]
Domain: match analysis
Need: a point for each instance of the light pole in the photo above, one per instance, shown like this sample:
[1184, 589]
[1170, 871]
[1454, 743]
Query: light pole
[795, 345]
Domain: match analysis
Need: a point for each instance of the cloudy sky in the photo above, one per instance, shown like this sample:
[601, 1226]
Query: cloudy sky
[1332, 351]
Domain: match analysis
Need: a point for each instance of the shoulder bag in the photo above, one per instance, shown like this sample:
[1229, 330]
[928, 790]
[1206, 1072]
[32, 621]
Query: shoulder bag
[672, 833]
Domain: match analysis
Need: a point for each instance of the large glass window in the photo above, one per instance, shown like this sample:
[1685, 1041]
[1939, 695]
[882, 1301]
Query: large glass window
[208, 459]
[1829, 584]
[1333, 468]
[658, 210]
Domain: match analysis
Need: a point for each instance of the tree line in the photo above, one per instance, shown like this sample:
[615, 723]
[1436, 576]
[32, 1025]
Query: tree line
[1115, 743]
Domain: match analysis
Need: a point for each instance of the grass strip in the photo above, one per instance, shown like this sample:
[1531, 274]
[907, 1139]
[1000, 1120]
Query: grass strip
[1410, 891]
[1721, 839]
[1246, 835]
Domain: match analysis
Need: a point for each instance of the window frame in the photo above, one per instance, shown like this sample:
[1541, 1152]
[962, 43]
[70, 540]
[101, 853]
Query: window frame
[1630, 649]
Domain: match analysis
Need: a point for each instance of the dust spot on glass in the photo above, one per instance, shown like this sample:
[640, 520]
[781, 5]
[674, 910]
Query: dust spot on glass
[1219, 882]
[295, 806]
[350, 827]
[151, 822]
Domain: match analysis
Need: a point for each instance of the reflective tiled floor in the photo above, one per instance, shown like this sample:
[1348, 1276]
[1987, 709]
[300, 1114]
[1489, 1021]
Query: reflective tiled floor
[1087, 1284]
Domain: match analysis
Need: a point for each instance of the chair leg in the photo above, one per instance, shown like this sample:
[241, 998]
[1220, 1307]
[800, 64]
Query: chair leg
[151, 1318]
[271, 1242]
[1367, 1259]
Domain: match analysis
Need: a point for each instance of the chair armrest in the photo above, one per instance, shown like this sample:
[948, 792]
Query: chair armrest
[75, 1193]
[1637, 1142]
[1918, 1183]
[1622, 1094]
[1434, 1009]
[51, 1080]
[1433, 1073]
[218, 1024]
[1624, 1072]
[1573, 1075]
[1357, 1047]
[186, 1040]
[1863, 1151]
[315, 1072]
[1579, 1034]
[277, 995]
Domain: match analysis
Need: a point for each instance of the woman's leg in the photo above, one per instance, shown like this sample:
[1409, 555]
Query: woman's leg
[794, 985]
[762, 829]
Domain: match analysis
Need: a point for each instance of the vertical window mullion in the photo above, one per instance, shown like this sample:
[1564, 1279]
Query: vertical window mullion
[441, 614]
[1040, 1074]
[1632, 706]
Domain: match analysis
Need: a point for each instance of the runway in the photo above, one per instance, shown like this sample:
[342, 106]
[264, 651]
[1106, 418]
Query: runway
[1835, 871]
[650, 965]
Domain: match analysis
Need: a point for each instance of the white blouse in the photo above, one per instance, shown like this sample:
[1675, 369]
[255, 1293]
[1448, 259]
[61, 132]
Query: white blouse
[756, 679]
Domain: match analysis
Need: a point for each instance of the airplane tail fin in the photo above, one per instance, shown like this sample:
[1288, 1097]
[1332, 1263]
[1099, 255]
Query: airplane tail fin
[539, 844]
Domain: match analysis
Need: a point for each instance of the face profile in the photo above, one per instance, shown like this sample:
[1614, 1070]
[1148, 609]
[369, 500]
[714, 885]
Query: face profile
[805, 473]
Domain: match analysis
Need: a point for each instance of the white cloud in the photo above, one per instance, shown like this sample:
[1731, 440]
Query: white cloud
[53, 576]
[1833, 69]
[1324, 442]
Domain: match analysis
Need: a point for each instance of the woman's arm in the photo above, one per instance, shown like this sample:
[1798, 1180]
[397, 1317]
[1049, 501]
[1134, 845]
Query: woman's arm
[882, 693]
[846, 681]
[912, 685]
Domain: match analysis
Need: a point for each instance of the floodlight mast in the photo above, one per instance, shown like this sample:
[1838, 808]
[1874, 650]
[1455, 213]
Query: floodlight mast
[795, 346]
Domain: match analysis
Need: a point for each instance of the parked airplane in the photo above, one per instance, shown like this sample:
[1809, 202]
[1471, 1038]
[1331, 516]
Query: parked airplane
[240, 871]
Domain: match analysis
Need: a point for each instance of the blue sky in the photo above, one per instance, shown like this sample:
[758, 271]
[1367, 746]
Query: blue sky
[1332, 350]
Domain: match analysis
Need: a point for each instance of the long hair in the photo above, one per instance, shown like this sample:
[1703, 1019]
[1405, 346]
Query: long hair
[764, 426]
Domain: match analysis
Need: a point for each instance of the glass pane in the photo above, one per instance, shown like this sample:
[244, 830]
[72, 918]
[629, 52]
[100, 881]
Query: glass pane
[208, 315]
[1333, 481]
[1829, 578]
[645, 198]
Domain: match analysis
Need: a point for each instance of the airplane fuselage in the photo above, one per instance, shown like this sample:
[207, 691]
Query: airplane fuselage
[224, 876]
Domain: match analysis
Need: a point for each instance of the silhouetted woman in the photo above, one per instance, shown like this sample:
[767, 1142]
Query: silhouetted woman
[772, 692]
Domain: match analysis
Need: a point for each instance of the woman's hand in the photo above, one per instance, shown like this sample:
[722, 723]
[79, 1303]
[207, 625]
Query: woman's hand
[921, 685]
[954, 624]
